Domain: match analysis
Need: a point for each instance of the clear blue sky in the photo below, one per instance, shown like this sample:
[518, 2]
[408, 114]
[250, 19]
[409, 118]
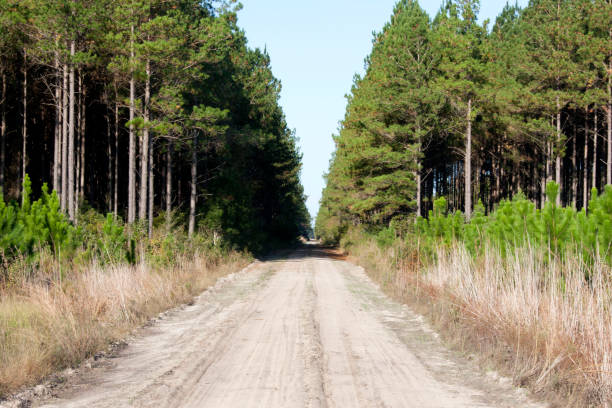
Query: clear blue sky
[316, 48]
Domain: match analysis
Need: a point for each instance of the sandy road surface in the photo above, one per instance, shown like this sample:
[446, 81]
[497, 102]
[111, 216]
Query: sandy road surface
[305, 331]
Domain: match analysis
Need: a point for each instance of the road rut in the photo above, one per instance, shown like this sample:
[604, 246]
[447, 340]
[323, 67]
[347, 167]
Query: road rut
[304, 331]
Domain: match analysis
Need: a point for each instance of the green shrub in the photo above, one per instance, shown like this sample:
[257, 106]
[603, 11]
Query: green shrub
[517, 223]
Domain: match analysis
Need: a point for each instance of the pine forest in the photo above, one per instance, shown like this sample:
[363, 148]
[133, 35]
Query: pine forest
[155, 111]
[476, 112]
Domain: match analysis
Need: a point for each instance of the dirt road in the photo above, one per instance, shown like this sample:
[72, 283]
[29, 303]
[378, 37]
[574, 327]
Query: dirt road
[305, 331]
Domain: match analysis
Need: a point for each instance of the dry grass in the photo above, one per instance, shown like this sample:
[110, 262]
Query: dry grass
[46, 326]
[537, 319]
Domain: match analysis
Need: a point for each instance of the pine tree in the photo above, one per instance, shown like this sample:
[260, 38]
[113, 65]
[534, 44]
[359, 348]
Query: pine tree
[460, 71]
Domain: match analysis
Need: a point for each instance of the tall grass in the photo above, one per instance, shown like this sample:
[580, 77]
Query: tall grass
[47, 324]
[545, 321]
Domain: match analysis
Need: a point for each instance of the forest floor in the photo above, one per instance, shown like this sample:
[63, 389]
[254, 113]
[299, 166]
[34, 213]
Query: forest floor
[306, 330]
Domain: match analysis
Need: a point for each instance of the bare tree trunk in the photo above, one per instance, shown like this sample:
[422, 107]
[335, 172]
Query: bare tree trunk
[82, 130]
[132, 147]
[595, 137]
[151, 192]
[417, 174]
[144, 147]
[468, 163]
[194, 179]
[549, 152]
[169, 186]
[558, 154]
[609, 167]
[575, 170]
[116, 169]
[419, 211]
[3, 132]
[24, 129]
[78, 147]
[64, 201]
[609, 112]
[71, 124]
[585, 165]
[109, 169]
[543, 185]
[57, 145]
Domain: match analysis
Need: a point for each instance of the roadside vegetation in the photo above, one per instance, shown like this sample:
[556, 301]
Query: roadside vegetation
[143, 153]
[472, 177]
[68, 290]
[527, 290]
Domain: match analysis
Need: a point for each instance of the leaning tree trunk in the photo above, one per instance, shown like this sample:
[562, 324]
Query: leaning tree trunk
[71, 125]
[595, 130]
[24, 129]
[585, 162]
[468, 163]
[144, 147]
[132, 147]
[169, 186]
[193, 195]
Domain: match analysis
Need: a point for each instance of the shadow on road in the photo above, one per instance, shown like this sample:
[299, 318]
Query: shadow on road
[305, 251]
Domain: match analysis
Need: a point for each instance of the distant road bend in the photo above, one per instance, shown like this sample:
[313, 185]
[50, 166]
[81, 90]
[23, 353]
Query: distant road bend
[308, 330]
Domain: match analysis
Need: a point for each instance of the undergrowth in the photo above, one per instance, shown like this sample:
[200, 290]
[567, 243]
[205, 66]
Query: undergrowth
[67, 290]
[528, 290]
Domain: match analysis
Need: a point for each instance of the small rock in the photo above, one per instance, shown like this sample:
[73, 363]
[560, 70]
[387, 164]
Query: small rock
[40, 390]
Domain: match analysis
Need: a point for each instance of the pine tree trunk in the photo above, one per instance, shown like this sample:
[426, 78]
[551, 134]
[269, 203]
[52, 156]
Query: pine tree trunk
[549, 152]
[144, 147]
[71, 125]
[609, 112]
[64, 201]
[132, 147]
[57, 145]
[609, 163]
[502, 175]
[417, 173]
[558, 154]
[77, 140]
[595, 137]
[575, 170]
[116, 161]
[468, 163]
[109, 169]
[193, 195]
[151, 192]
[24, 128]
[179, 192]
[3, 132]
[544, 176]
[585, 163]
[418, 197]
[83, 129]
[169, 186]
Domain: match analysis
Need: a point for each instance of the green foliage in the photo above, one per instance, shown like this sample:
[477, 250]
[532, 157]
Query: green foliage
[34, 225]
[517, 223]
[112, 240]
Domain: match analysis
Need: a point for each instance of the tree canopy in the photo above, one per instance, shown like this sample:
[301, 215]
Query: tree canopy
[474, 112]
